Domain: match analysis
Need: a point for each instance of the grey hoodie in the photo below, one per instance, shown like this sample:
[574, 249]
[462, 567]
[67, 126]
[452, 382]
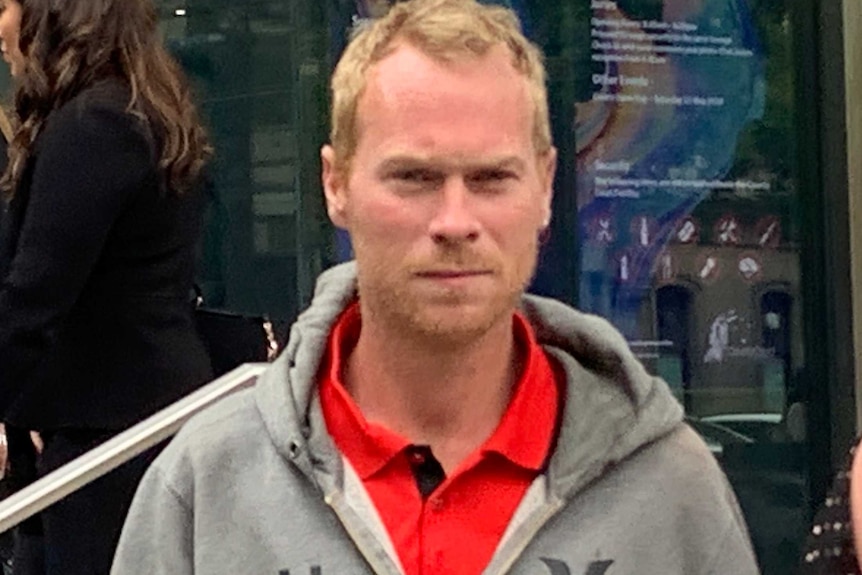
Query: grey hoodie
[255, 485]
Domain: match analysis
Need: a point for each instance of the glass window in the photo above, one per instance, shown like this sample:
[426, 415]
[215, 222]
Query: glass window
[673, 318]
[260, 68]
[688, 204]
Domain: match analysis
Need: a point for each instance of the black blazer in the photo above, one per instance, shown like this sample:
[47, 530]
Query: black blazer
[96, 261]
[830, 547]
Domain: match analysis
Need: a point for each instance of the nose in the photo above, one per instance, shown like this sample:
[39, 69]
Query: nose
[454, 220]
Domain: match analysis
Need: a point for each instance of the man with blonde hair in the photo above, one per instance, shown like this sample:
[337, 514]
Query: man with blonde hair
[427, 416]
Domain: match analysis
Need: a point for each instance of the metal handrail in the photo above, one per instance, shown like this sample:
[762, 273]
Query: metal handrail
[121, 448]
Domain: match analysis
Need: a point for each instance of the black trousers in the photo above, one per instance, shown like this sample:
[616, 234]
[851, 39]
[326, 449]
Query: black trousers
[79, 532]
[28, 553]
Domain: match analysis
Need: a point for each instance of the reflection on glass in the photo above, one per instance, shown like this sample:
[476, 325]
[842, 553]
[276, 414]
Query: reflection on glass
[673, 315]
[686, 197]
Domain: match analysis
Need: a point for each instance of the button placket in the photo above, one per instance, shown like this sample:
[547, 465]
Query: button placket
[434, 536]
[438, 503]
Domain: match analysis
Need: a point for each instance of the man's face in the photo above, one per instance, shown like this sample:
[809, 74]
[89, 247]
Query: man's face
[446, 194]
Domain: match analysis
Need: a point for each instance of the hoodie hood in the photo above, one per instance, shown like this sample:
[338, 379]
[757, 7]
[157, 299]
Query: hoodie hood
[612, 405]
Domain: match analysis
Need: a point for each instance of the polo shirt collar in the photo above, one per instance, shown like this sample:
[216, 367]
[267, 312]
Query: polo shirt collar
[523, 436]
[526, 430]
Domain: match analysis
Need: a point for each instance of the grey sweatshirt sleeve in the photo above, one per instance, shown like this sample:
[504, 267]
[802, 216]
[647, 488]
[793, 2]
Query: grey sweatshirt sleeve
[716, 523]
[157, 535]
[734, 555]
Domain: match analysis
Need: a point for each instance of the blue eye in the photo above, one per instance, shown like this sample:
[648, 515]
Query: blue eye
[416, 176]
[491, 180]
[492, 176]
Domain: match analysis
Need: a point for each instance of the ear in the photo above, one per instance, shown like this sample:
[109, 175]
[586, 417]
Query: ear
[334, 187]
[547, 170]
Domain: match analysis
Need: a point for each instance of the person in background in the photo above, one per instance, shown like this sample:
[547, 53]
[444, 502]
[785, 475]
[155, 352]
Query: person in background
[854, 500]
[426, 415]
[832, 544]
[97, 255]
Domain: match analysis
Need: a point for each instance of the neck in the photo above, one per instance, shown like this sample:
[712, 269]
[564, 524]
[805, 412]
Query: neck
[449, 397]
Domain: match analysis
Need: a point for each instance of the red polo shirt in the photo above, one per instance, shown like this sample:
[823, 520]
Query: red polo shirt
[457, 525]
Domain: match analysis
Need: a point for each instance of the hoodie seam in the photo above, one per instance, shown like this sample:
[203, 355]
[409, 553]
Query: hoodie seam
[171, 490]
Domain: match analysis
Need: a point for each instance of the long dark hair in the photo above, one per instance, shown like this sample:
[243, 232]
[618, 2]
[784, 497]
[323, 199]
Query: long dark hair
[70, 45]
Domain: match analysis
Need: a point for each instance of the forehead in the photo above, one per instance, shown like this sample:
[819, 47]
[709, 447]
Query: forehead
[472, 103]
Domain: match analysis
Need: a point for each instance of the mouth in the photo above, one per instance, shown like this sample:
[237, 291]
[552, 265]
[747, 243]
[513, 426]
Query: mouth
[452, 275]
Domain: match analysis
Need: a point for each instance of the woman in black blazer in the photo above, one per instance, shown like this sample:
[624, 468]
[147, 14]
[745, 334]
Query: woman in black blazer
[96, 259]
[832, 543]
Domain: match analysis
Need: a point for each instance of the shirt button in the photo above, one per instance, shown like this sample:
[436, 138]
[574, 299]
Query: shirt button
[417, 457]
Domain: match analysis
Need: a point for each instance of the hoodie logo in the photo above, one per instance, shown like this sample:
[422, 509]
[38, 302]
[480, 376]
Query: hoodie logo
[599, 567]
[315, 570]
[557, 567]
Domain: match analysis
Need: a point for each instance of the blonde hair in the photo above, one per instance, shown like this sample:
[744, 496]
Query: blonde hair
[447, 30]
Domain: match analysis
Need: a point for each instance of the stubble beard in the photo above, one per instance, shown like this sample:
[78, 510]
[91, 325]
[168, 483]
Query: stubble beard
[447, 320]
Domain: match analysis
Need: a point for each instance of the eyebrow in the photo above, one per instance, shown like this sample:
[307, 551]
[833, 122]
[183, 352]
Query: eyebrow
[401, 162]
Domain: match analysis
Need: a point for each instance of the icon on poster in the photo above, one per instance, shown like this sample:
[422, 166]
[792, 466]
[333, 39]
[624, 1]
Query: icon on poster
[768, 230]
[688, 231]
[665, 268]
[728, 231]
[749, 267]
[629, 264]
[708, 267]
[643, 229]
[601, 229]
[625, 269]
